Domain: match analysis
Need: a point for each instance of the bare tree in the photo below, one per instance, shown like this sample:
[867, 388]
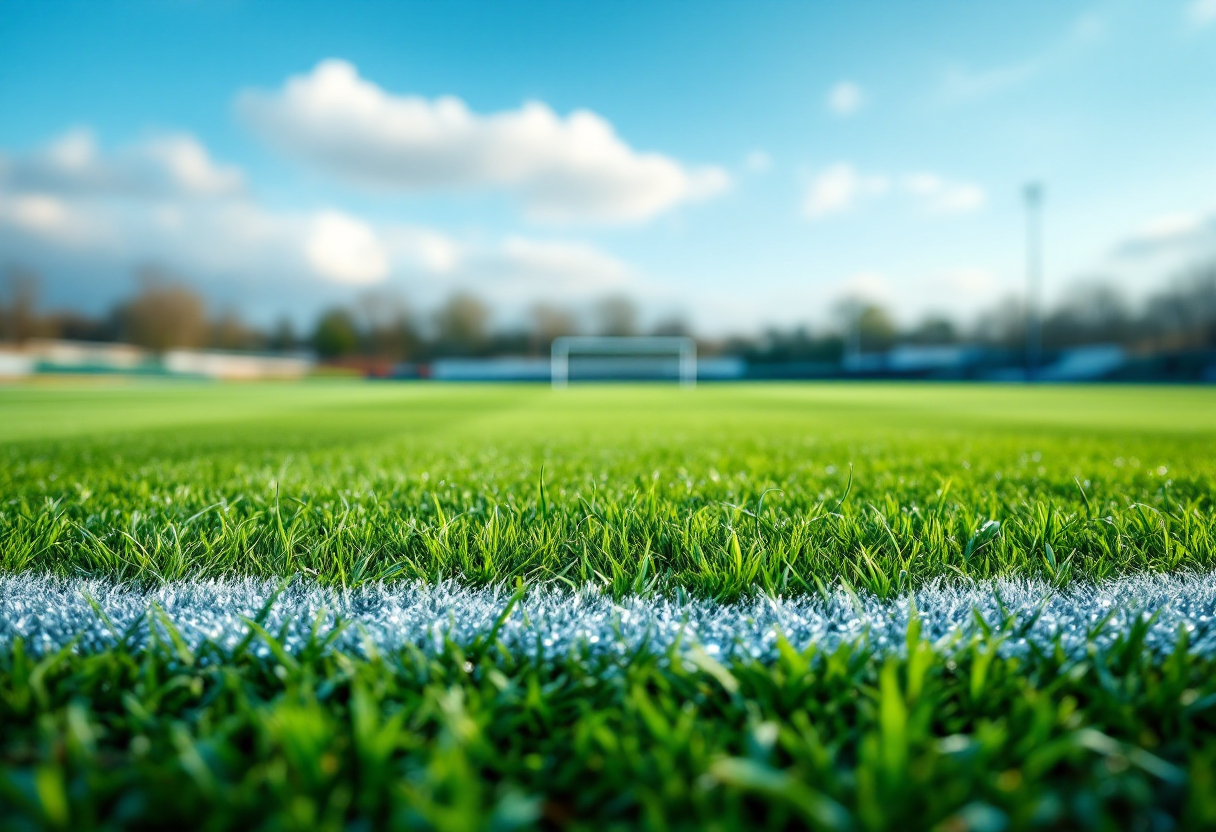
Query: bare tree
[462, 324]
[283, 338]
[19, 319]
[229, 332]
[672, 325]
[164, 314]
[1093, 312]
[389, 325]
[1003, 325]
[933, 330]
[1183, 316]
[616, 315]
[549, 322]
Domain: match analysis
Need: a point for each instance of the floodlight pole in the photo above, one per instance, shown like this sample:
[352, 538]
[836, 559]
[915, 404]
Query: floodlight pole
[1034, 278]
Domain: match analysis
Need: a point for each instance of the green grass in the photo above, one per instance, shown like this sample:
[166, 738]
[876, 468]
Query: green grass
[720, 492]
[176, 740]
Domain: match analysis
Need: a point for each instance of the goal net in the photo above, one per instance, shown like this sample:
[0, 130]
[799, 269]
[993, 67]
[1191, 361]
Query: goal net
[624, 358]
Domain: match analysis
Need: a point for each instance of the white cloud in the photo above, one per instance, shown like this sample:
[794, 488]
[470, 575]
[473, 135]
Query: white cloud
[510, 272]
[943, 196]
[425, 248]
[188, 165]
[38, 213]
[923, 183]
[909, 295]
[1201, 12]
[572, 169]
[1171, 240]
[1160, 246]
[345, 249]
[171, 165]
[234, 240]
[758, 161]
[576, 267]
[52, 219]
[1169, 227]
[868, 287]
[837, 188]
[846, 98]
[966, 282]
[841, 187]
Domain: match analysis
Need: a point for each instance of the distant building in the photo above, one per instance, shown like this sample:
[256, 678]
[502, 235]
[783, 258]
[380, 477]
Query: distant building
[504, 368]
[913, 358]
[46, 356]
[54, 356]
[14, 364]
[522, 368]
[236, 366]
[1089, 363]
[918, 361]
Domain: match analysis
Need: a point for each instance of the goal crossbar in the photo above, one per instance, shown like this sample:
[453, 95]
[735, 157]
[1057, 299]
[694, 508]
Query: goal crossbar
[606, 345]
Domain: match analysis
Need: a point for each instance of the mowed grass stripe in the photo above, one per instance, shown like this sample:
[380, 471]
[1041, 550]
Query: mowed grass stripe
[720, 492]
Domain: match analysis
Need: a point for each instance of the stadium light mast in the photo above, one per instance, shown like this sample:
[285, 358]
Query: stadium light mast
[1034, 277]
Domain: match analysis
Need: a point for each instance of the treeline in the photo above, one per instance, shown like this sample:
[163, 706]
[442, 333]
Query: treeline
[1180, 316]
[382, 325]
[165, 313]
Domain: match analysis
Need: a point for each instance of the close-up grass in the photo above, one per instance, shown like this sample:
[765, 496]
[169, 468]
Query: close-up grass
[175, 739]
[718, 498]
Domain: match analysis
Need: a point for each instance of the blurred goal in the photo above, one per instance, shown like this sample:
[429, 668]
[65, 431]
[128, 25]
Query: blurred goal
[624, 358]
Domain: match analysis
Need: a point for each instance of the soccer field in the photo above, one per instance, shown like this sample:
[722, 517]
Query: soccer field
[340, 605]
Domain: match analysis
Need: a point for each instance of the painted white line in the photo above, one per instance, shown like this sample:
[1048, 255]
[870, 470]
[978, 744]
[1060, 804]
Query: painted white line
[48, 613]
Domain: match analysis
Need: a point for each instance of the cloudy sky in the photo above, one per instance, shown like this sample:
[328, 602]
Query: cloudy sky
[741, 162]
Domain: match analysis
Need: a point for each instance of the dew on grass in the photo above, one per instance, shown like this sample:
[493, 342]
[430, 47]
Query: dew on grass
[51, 612]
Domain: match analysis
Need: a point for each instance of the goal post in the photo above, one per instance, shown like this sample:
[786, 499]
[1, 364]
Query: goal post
[621, 351]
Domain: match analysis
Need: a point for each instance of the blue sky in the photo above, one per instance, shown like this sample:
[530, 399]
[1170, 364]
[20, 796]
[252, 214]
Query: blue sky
[740, 163]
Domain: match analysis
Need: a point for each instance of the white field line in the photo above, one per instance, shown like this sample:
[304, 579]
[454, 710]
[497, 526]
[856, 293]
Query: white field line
[48, 613]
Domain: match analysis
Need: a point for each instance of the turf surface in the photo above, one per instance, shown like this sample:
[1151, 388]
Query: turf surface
[474, 739]
[719, 495]
[719, 492]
